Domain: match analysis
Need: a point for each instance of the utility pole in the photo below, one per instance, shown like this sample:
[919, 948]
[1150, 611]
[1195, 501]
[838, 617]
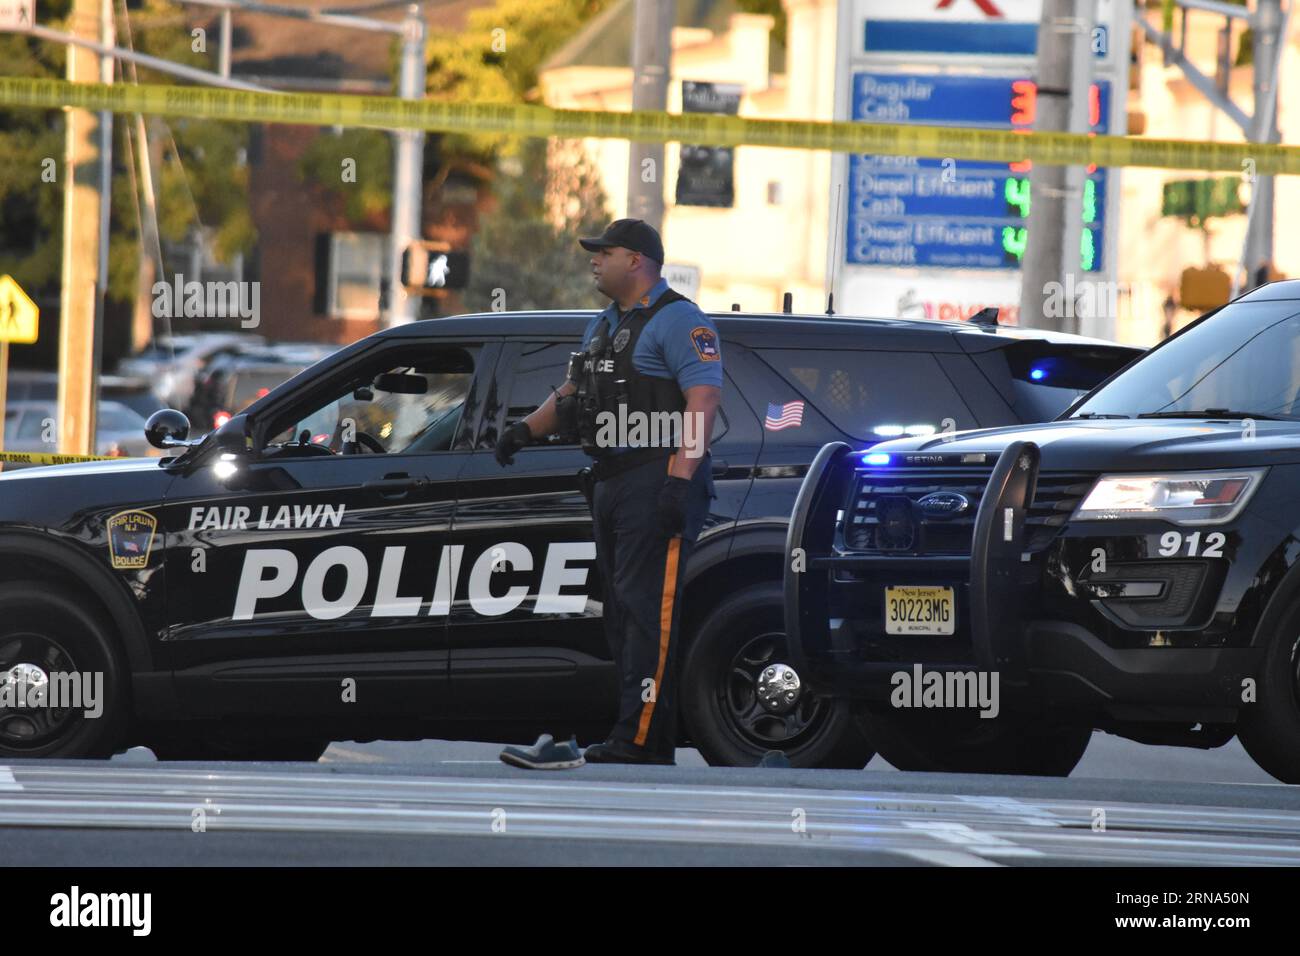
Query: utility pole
[652, 38]
[149, 156]
[1259, 228]
[84, 246]
[1044, 248]
[409, 148]
[1072, 272]
[107, 66]
[408, 170]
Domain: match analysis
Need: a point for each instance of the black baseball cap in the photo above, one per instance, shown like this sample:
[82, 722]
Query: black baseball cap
[634, 234]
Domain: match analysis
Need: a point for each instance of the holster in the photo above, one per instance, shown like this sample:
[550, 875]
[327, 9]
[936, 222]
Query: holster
[587, 484]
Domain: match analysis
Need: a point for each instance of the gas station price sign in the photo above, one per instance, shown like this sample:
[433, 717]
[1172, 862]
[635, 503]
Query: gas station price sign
[908, 211]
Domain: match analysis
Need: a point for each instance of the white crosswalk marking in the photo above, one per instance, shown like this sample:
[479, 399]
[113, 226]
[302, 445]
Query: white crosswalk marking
[726, 809]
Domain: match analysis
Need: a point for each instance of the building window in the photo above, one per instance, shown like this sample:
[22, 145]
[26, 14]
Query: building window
[774, 192]
[358, 267]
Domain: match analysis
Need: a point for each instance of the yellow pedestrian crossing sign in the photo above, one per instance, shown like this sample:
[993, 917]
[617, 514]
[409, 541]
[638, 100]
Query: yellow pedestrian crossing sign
[18, 313]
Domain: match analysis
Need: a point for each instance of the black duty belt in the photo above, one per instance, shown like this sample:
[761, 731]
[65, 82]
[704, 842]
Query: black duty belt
[611, 465]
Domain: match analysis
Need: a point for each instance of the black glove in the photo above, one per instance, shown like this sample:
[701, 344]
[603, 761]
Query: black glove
[672, 505]
[515, 437]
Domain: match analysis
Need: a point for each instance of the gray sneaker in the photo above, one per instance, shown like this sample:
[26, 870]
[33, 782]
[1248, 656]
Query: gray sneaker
[546, 754]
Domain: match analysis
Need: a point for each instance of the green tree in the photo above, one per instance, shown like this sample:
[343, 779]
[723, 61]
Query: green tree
[525, 248]
[31, 142]
[201, 181]
[495, 59]
[370, 151]
[525, 253]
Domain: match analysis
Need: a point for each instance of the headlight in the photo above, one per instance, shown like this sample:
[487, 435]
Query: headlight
[1192, 497]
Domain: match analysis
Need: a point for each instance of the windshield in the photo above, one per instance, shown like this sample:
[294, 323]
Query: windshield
[1244, 359]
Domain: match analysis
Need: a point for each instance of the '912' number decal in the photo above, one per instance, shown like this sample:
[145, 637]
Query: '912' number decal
[1171, 544]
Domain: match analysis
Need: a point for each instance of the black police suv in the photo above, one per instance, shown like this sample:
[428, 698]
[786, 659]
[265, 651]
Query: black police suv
[346, 560]
[1133, 566]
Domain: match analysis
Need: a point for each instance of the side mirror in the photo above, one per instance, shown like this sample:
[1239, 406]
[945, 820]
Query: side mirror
[167, 428]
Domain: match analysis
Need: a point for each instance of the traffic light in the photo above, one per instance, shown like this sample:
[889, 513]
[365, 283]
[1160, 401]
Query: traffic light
[428, 267]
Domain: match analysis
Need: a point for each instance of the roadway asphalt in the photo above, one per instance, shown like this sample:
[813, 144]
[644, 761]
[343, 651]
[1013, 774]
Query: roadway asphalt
[436, 802]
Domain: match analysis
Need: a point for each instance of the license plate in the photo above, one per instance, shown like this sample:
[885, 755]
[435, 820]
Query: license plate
[920, 610]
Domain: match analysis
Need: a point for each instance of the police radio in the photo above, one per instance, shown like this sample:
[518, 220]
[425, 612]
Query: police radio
[574, 373]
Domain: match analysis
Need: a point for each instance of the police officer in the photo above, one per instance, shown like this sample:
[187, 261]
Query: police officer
[651, 357]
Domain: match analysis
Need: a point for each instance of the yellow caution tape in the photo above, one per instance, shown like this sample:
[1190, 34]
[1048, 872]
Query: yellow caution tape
[334, 109]
[44, 458]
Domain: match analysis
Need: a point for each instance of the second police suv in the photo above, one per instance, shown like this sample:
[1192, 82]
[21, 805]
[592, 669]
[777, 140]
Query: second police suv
[1133, 566]
[345, 559]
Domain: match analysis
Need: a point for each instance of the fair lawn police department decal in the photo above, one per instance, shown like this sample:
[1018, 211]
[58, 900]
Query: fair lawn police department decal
[130, 538]
[620, 340]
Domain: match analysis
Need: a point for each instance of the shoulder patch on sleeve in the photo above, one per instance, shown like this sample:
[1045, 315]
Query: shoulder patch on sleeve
[705, 341]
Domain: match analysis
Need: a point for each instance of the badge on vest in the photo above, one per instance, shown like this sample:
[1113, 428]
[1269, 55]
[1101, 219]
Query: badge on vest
[620, 340]
[706, 343]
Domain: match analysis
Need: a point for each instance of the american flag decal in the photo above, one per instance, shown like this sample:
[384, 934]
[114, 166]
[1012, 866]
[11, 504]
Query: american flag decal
[789, 415]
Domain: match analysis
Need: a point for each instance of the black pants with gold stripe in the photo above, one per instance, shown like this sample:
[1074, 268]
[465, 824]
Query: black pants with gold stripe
[642, 572]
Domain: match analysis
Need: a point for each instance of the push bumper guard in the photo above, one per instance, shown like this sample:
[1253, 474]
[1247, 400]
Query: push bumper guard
[992, 569]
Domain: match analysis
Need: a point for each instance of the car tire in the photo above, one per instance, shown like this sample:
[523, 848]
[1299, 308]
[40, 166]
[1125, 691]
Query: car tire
[1269, 727]
[45, 627]
[727, 723]
[218, 748]
[967, 743]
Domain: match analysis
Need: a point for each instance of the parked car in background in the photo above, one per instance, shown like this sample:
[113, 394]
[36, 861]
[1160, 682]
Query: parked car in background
[172, 362]
[135, 392]
[32, 426]
[233, 380]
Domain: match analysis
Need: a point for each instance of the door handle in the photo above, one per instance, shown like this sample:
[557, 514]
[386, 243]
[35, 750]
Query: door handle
[394, 486]
[719, 469]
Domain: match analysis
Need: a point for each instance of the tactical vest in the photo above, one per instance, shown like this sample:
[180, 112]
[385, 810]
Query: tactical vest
[608, 379]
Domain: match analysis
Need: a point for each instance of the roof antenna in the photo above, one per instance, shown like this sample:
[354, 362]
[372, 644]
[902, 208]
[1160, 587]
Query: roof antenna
[787, 303]
[986, 318]
[735, 307]
[835, 260]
